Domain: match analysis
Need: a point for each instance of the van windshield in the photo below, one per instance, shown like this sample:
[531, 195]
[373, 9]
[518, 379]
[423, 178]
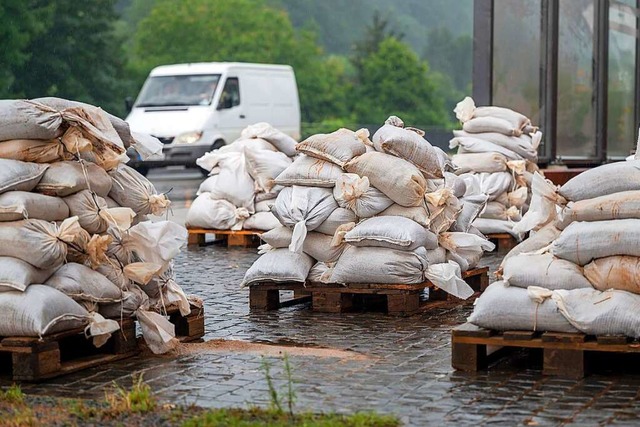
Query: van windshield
[165, 91]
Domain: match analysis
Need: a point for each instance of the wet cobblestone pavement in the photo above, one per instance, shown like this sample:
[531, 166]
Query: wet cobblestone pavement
[403, 364]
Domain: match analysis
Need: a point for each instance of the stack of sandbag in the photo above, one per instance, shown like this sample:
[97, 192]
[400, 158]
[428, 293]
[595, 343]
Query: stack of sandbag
[354, 210]
[579, 270]
[75, 243]
[241, 188]
[497, 148]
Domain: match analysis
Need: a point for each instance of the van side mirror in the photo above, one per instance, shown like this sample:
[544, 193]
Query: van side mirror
[128, 104]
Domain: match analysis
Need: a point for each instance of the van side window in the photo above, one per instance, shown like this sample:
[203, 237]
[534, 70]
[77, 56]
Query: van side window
[230, 96]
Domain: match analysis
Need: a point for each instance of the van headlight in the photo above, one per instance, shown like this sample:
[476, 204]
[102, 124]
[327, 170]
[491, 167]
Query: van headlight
[188, 137]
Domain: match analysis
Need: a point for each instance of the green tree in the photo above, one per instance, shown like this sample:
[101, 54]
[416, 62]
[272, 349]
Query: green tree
[78, 56]
[394, 81]
[450, 55]
[375, 34]
[20, 22]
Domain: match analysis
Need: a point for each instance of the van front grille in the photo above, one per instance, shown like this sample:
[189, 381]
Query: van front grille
[165, 140]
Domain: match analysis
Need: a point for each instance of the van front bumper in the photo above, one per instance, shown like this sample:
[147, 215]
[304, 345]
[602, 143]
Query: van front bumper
[173, 156]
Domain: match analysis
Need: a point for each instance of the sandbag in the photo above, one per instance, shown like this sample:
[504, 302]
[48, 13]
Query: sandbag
[471, 208]
[536, 241]
[91, 210]
[545, 271]
[523, 145]
[466, 110]
[157, 242]
[337, 147]
[496, 226]
[20, 176]
[207, 185]
[317, 245]
[477, 145]
[264, 166]
[582, 242]
[455, 183]
[279, 265]
[495, 184]
[466, 248]
[132, 190]
[603, 180]
[509, 308]
[22, 119]
[318, 273]
[480, 162]
[398, 179]
[418, 214]
[623, 205]
[278, 139]
[408, 144]
[614, 272]
[309, 171]
[16, 275]
[443, 209]
[132, 299]
[498, 211]
[84, 284]
[234, 183]
[17, 205]
[491, 124]
[337, 218]
[33, 150]
[209, 161]
[355, 193]
[393, 232]
[65, 178]
[264, 205]
[304, 209]
[261, 221]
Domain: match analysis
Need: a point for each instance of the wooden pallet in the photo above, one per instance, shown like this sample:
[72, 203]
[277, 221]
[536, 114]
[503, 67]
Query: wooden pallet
[400, 300]
[34, 359]
[563, 354]
[504, 241]
[189, 328]
[239, 238]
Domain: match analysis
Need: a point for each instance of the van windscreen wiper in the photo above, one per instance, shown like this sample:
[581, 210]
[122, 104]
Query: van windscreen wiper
[164, 104]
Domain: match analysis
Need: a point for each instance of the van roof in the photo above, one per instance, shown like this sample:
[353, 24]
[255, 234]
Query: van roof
[211, 68]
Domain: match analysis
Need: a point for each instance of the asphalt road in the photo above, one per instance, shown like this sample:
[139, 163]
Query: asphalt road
[180, 185]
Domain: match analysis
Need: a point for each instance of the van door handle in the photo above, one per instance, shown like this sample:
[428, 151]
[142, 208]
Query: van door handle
[242, 116]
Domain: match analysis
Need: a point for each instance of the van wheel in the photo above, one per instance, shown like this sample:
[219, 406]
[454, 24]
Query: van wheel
[219, 143]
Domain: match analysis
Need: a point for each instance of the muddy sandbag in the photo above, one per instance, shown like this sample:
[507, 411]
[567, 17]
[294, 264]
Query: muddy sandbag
[132, 299]
[523, 145]
[480, 162]
[264, 166]
[309, 171]
[614, 272]
[279, 265]
[337, 147]
[17, 205]
[545, 271]
[317, 245]
[84, 284]
[355, 193]
[418, 214]
[261, 221]
[33, 150]
[65, 178]
[16, 275]
[400, 180]
[393, 232]
[278, 139]
[337, 218]
[408, 144]
[509, 308]
[477, 145]
[132, 190]
[623, 205]
[210, 213]
[582, 242]
[603, 180]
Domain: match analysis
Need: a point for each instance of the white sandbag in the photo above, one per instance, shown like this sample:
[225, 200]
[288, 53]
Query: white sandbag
[466, 110]
[207, 185]
[471, 208]
[509, 308]
[304, 209]
[264, 205]
[593, 312]
[465, 245]
[264, 166]
[261, 221]
[496, 226]
[472, 184]
[158, 332]
[355, 193]
[84, 284]
[209, 161]
[582, 242]
[398, 179]
[545, 271]
[603, 180]
[337, 218]
[65, 178]
[518, 199]
[418, 214]
[279, 265]
[157, 242]
[623, 205]
[309, 171]
[279, 237]
[380, 265]
[614, 272]
[132, 190]
[280, 140]
[147, 146]
[234, 183]
[455, 183]
[537, 240]
[408, 144]
[437, 255]
[491, 124]
[16, 275]
[393, 232]
[447, 276]
[495, 184]
[41, 310]
[272, 195]
[337, 147]
[443, 208]
[477, 145]
[17, 205]
[523, 145]
[318, 273]
[542, 209]
[496, 210]
[480, 162]
[317, 245]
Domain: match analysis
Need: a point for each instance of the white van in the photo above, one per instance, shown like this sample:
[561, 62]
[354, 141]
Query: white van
[194, 108]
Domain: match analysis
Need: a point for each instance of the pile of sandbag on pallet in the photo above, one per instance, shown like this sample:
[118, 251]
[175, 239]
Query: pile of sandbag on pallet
[75, 243]
[240, 189]
[497, 148]
[359, 211]
[579, 270]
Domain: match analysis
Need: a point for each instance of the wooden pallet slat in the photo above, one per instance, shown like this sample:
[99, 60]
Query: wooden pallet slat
[504, 241]
[232, 238]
